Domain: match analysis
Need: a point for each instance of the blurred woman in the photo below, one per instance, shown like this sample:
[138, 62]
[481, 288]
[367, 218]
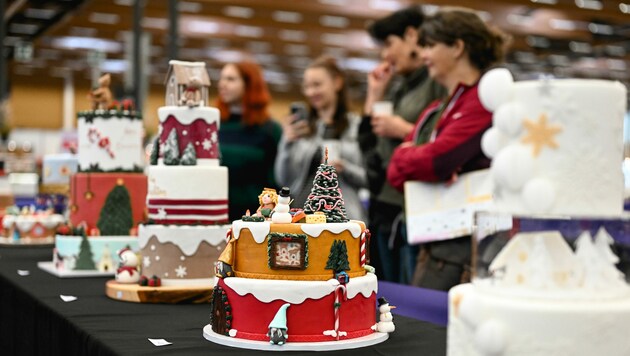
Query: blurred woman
[457, 49]
[248, 136]
[327, 123]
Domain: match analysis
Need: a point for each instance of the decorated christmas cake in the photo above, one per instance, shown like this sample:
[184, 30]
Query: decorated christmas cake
[557, 148]
[187, 198]
[30, 226]
[297, 279]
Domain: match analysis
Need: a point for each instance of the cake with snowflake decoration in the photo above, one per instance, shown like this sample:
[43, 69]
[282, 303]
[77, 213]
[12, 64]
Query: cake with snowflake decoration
[187, 199]
[545, 278]
[297, 279]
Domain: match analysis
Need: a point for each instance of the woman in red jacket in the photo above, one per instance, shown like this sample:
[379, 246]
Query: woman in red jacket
[457, 49]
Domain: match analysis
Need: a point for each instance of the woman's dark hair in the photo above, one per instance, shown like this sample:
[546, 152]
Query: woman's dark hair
[340, 117]
[396, 24]
[485, 46]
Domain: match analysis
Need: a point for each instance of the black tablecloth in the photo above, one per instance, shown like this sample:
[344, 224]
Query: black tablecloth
[35, 321]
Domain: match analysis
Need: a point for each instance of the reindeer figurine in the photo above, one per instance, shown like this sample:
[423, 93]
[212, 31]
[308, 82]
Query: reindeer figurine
[101, 96]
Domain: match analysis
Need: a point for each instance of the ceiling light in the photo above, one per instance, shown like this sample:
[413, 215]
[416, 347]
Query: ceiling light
[388, 5]
[44, 14]
[287, 16]
[296, 50]
[333, 2]
[519, 20]
[292, 35]
[114, 65]
[71, 42]
[334, 39]
[258, 47]
[200, 26]
[601, 29]
[484, 15]
[157, 23]
[616, 64]
[537, 41]
[248, 31]
[525, 57]
[618, 51]
[101, 17]
[589, 4]
[23, 28]
[334, 21]
[226, 56]
[430, 9]
[625, 8]
[559, 60]
[238, 11]
[187, 6]
[124, 2]
[360, 64]
[547, 2]
[562, 25]
[580, 47]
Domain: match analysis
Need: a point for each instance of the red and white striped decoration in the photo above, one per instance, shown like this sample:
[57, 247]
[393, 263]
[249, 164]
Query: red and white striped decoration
[362, 250]
[340, 291]
[188, 211]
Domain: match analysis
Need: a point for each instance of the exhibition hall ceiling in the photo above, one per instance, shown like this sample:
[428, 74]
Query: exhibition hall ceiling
[566, 38]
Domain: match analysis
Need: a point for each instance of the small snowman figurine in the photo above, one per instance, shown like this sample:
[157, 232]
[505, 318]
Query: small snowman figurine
[128, 270]
[281, 213]
[385, 320]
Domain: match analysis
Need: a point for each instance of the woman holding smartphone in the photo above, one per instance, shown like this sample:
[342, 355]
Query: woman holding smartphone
[249, 138]
[326, 122]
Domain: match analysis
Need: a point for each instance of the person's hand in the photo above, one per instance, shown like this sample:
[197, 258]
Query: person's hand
[453, 179]
[338, 164]
[392, 126]
[294, 129]
[377, 79]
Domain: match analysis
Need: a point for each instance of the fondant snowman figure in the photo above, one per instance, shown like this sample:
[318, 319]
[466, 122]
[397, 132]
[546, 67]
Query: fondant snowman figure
[128, 270]
[281, 213]
[277, 333]
[385, 320]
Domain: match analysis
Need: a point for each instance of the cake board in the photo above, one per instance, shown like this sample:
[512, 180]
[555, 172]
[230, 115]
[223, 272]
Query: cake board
[163, 294]
[49, 266]
[369, 340]
[27, 242]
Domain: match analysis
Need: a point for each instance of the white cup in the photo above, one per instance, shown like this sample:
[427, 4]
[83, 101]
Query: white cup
[334, 149]
[383, 108]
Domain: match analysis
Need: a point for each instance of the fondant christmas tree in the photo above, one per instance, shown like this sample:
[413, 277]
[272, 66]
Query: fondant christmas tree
[85, 261]
[155, 152]
[338, 257]
[116, 218]
[326, 195]
[189, 157]
[171, 149]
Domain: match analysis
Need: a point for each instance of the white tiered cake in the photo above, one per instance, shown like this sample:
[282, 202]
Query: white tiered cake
[557, 148]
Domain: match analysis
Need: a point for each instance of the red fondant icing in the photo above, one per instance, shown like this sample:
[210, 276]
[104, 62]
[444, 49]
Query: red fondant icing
[100, 184]
[306, 322]
[197, 132]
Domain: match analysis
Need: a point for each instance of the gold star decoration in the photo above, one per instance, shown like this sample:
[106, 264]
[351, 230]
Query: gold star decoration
[540, 134]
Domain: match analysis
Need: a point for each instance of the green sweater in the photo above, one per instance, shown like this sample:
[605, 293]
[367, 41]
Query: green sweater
[249, 153]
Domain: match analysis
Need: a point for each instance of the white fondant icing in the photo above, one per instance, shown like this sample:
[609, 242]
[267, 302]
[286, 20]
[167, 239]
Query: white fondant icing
[259, 230]
[512, 167]
[315, 230]
[187, 116]
[296, 292]
[495, 88]
[490, 142]
[24, 223]
[125, 140]
[187, 238]
[508, 118]
[539, 195]
[202, 182]
[490, 338]
[232, 332]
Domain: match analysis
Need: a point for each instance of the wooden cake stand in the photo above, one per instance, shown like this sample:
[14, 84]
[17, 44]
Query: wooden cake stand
[163, 294]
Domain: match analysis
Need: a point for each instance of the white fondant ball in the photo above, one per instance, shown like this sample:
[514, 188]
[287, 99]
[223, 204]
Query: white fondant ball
[490, 338]
[512, 167]
[509, 118]
[539, 195]
[469, 310]
[495, 88]
[490, 142]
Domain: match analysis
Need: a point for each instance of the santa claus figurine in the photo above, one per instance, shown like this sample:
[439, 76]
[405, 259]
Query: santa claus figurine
[128, 270]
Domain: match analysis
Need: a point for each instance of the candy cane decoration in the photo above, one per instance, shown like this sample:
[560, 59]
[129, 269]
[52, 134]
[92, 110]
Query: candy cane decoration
[362, 249]
[341, 288]
[103, 142]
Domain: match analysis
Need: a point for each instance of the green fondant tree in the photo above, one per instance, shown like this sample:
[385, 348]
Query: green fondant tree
[326, 195]
[338, 257]
[85, 261]
[189, 157]
[155, 151]
[171, 149]
[116, 218]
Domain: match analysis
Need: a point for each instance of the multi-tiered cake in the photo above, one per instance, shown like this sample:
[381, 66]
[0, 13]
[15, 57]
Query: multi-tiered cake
[297, 283]
[187, 199]
[107, 194]
[557, 148]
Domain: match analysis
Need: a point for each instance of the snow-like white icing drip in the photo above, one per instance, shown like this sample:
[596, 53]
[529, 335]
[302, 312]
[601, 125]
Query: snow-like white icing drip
[187, 238]
[259, 230]
[296, 292]
[26, 222]
[315, 230]
[187, 116]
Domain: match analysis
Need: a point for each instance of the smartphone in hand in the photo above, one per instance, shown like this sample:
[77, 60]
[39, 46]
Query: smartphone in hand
[299, 110]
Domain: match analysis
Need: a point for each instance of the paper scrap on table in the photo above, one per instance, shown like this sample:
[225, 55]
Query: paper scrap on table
[68, 298]
[23, 272]
[160, 342]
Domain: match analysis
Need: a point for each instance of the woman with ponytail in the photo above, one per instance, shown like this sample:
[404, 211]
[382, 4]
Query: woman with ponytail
[457, 48]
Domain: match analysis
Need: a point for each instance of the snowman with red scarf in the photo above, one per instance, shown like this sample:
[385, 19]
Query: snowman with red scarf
[128, 270]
